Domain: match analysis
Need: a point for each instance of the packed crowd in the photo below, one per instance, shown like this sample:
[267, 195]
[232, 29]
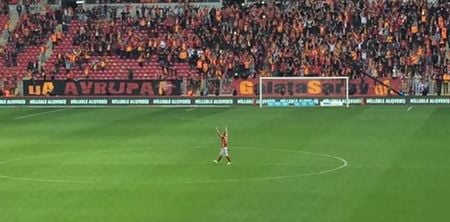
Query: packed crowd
[406, 39]
[389, 38]
[145, 1]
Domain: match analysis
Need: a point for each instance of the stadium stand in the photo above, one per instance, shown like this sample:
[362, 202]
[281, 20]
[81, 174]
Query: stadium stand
[395, 39]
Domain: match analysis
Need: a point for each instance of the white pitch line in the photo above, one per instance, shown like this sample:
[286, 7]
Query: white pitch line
[42, 180]
[343, 165]
[38, 114]
[191, 109]
[267, 178]
[409, 109]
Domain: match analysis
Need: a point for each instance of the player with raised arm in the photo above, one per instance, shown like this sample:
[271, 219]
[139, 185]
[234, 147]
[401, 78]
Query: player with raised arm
[224, 146]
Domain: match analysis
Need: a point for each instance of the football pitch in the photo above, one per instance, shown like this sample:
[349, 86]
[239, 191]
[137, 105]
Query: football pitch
[364, 164]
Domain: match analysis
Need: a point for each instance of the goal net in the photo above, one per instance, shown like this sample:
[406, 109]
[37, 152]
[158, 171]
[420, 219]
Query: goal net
[303, 91]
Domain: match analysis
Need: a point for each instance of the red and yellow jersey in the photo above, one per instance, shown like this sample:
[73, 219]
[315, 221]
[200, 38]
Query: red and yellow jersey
[224, 141]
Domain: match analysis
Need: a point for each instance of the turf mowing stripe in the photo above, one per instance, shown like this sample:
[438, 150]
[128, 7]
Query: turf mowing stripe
[38, 114]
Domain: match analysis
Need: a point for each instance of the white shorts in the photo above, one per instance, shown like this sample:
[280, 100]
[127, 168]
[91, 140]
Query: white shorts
[223, 151]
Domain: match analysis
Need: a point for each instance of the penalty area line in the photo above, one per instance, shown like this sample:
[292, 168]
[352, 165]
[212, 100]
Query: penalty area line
[38, 114]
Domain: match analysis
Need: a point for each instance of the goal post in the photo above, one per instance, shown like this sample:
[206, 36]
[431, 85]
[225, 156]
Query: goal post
[304, 91]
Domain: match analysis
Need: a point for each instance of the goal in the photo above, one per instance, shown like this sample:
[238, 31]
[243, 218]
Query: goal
[303, 91]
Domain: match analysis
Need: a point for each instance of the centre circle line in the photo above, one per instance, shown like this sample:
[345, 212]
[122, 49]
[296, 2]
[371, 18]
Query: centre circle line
[342, 160]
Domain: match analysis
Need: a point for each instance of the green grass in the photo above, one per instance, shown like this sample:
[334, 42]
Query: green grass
[155, 164]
